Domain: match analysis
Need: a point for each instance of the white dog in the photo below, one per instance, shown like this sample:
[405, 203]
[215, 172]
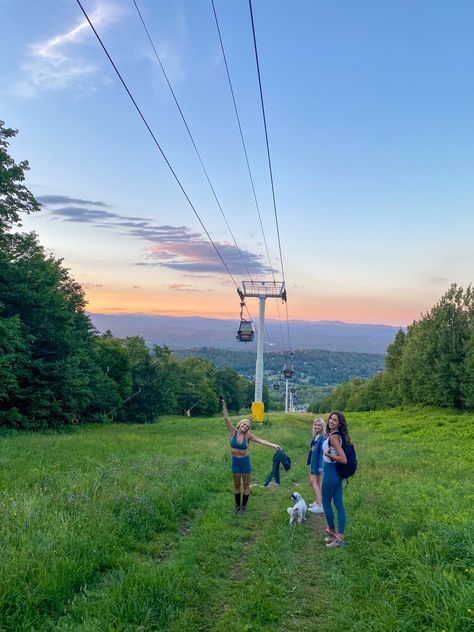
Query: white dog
[298, 511]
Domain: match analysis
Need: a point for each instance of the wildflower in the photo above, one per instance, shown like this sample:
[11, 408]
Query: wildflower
[469, 611]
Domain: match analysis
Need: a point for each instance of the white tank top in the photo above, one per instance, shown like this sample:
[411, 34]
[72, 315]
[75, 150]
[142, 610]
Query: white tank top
[326, 459]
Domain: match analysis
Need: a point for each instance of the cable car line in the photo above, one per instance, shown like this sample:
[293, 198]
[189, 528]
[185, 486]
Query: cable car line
[244, 147]
[266, 139]
[242, 136]
[158, 146]
[190, 135]
[269, 161]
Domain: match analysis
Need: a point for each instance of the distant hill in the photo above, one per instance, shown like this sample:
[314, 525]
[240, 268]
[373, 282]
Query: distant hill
[192, 332]
[312, 367]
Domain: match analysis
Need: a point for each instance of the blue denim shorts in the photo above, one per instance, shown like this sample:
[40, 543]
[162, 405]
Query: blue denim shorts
[241, 465]
[316, 471]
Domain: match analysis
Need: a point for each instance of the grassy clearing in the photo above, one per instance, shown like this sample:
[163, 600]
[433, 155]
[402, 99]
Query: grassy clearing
[410, 562]
[130, 528]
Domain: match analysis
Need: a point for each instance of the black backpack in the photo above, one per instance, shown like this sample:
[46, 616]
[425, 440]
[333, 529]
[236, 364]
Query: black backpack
[345, 470]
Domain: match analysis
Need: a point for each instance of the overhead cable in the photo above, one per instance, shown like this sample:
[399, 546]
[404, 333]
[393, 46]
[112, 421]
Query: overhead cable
[156, 141]
[241, 135]
[269, 160]
[246, 154]
[147, 31]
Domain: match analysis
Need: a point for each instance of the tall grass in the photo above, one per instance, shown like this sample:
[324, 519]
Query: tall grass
[409, 565]
[131, 528]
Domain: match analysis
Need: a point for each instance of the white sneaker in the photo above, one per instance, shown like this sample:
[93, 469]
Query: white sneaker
[316, 509]
[312, 504]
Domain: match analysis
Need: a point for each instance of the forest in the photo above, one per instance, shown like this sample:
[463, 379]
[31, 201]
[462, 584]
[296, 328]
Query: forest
[55, 368]
[431, 364]
[316, 372]
[312, 366]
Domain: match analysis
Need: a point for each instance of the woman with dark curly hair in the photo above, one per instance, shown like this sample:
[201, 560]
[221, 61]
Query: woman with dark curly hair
[332, 482]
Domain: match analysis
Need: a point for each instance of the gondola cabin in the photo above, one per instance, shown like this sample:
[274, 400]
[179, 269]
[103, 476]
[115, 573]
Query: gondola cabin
[276, 386]
[292, 390]
[288, 371]
[245, 332]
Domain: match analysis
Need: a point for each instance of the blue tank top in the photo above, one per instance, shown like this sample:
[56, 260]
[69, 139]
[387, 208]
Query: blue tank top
[235, 444]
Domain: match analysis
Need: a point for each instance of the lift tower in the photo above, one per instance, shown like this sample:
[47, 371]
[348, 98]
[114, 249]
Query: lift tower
[261, 290]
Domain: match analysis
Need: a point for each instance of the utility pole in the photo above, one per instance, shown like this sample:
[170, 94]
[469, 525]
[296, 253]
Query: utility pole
[292, 396]
[287, 374]
[261, 290]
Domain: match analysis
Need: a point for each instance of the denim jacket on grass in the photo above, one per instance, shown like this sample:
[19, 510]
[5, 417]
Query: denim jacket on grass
[279, 458]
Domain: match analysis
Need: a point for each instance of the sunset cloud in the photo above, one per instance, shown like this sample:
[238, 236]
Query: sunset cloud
[174, 247]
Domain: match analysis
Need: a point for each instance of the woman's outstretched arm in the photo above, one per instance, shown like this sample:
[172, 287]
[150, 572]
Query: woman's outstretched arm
[227, 420]
[253, 437]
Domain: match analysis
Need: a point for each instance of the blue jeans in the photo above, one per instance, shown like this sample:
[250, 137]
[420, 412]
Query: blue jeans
[332, 492]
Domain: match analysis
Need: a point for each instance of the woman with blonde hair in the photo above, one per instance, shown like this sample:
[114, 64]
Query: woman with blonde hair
[315, 461]
[240, 438]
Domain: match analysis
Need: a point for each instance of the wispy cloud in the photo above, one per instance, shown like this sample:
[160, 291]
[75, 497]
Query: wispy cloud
[54, 63]
[176, 247]
[81, 214]
[438, 280]
[52, 200]
[88, 286]
[182, 287]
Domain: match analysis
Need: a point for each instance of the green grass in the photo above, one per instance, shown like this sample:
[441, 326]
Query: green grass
[118, 528]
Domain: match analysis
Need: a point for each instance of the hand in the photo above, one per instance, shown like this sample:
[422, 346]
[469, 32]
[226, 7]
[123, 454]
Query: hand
[277, 447]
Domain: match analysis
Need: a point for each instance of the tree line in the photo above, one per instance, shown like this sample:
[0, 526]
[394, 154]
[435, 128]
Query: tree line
[315, 367]
[431, 364]
[54, 366]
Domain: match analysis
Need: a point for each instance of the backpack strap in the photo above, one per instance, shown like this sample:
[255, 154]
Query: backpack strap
[329, 443]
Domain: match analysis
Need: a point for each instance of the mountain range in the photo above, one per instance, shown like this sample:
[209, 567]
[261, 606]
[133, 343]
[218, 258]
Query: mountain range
[190, 332]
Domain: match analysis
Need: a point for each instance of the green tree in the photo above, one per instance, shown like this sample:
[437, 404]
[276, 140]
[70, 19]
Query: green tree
[233, 387]
[392, 372]
[168, 380]
[433, 358]
[15, 198]
[42, 308]
[113, 358]
[467, 381]
[143, 404]
[198, 387]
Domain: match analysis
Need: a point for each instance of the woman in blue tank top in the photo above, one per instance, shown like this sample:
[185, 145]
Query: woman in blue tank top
[240, 436]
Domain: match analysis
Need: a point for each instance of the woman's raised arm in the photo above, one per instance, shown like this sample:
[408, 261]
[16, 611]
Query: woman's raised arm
[225, 412]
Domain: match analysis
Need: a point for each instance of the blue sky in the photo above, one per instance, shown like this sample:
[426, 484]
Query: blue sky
[370, 112]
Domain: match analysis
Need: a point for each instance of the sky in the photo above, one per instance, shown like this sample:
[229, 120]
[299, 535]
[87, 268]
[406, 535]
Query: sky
[370, 116]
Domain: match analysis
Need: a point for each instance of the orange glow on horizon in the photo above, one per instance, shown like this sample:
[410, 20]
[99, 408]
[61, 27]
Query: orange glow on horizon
[151, 303]
[221, 306]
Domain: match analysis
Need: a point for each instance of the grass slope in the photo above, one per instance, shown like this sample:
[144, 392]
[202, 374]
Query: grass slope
[114, 528]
